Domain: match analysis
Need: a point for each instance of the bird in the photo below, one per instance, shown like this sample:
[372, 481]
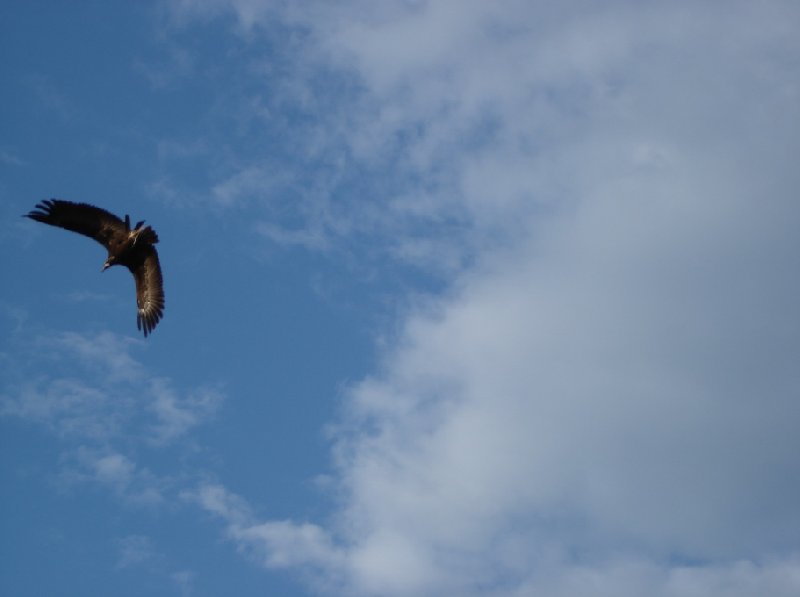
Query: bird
[134, 248]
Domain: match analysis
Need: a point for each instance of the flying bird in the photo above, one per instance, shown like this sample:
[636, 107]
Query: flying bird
[132, 248]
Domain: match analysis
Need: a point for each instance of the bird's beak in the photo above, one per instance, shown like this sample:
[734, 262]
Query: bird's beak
[106, 265]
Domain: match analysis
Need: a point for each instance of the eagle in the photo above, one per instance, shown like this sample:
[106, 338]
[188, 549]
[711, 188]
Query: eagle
[133, 248]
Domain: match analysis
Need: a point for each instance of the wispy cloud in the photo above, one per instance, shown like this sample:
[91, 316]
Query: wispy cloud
[61, 397]
[9, 157]
[51, 96]
[221, 502]
[15, 314]
[245, 185]
[274, 544]
[176, 414]
[86, 296]
[303, 237]
[140, 553]
[176, 64]
[68, 407]
[134, 550]
[184, 581]
[104, 352]
[104, 406]
[113, 471]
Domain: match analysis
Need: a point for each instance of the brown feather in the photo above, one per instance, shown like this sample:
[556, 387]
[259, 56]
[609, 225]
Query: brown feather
[149, 289]
[132, 248]
[91, 221]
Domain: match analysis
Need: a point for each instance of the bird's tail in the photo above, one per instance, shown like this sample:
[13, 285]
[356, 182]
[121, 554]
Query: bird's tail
[147, 235]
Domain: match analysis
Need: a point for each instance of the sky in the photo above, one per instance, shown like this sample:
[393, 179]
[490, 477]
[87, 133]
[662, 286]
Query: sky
[487, 299]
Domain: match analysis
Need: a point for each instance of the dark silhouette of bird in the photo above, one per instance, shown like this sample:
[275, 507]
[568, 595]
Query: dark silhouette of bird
[132, 248]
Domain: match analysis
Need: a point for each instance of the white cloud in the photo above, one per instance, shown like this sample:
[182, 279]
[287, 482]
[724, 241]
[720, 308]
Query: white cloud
[303, 237]
[115, 472]
[67, 406]
[275, 544]
[134, 550]
[289, 544]
[631, 578]
[605, 403]
[105, 408]
[454, 118]
[177, 414]
[104, 352]
[248, 12]
[249, 182]
[184, 580]
[86, 296]
[221, 502]
[9, 157]
[79, 393]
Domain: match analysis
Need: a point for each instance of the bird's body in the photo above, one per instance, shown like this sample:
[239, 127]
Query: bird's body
[133, 248]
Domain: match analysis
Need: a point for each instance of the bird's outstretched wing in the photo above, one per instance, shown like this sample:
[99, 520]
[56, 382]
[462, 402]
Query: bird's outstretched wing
[91, 221]
[149, 289]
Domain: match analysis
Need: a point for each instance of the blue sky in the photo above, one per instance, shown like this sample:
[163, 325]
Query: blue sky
[462, 298]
